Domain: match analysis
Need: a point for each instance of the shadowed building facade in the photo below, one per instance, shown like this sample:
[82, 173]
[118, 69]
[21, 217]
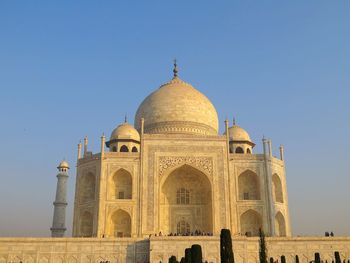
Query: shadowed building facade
[175, 173]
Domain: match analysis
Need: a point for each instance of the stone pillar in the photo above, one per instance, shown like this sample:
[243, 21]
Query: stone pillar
[228, 192]
[103, 141]
[282, 152]
[79, 150]
[85, 145]
[59, 215]
[264, 141]
[268, 179]
[101, 210]
[139, 229]
[142, 126]
[269, 143]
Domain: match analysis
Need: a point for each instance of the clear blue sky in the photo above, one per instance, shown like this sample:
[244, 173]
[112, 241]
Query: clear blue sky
[74, 68]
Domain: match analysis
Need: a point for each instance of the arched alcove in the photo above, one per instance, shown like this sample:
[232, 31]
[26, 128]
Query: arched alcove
[122, 185]
[248, 186]
[114, 149]
[250, 223]
[120, 224]
[134, 149]
[277, 189]
[239, 150]
[186, 201]
[124, 148]
[87, 187]
[249, 151]
[86, 224]
[280, 225]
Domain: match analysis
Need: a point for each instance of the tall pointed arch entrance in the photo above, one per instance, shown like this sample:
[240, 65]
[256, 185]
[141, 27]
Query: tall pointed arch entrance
[185, 202]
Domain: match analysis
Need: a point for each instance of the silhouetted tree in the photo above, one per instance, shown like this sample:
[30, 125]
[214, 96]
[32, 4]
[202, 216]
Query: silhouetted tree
[188, 257]
[262, 247]
[226, 252]
[317, 258]
[182, 260]
[337, 257]
[172, 259]
[196, 254]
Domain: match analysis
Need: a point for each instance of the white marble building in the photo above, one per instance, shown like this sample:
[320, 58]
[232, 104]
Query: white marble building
[175, 173]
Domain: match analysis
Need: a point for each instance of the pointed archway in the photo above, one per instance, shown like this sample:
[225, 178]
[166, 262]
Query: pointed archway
[86, 224]
[248, 186]
[280, 225]
[277, 188]
[250, 223]
[120, 224]
[121, 186]
[87, 187]
[185, 202]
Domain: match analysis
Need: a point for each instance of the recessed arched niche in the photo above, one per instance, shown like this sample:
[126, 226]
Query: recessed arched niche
[186, 202]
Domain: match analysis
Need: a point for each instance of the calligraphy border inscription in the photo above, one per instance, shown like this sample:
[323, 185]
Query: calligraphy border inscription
[203, 163]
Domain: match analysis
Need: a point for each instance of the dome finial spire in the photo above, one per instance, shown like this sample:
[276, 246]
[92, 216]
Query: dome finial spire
[126, 118]
[234, 121]
[175, 70]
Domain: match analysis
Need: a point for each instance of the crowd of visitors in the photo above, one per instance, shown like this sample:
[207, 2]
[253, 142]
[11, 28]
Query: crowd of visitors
[195, 233]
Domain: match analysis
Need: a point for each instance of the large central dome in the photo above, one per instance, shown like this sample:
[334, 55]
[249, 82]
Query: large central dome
[177, 107]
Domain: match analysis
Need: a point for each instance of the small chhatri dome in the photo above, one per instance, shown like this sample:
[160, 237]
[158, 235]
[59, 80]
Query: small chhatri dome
[237, 133]
[63, 164]
[177, 107]
[125, 131]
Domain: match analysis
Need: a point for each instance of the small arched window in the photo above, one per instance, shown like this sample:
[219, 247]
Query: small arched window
[239, 150]
[122, 180]
[134, 149]
[249, 151]
[277, 188]
[114, 149]
[182, 196]
[124, 148]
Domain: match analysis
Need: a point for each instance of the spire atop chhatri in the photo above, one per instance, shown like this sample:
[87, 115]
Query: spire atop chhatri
[234, 121]
[126, 118]
[175, 70]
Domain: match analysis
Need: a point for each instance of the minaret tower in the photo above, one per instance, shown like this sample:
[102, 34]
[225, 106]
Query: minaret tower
[59, 215]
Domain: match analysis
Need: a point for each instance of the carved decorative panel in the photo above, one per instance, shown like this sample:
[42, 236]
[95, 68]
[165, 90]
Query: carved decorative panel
[203, 163]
